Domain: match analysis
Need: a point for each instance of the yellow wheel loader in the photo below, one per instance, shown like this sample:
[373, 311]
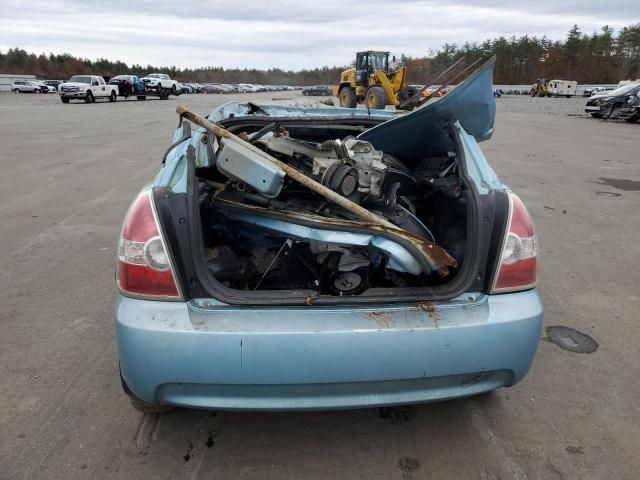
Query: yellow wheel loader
[372, 83]
[540, 88]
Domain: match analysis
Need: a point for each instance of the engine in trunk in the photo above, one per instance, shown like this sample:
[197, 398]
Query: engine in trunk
[264, 233]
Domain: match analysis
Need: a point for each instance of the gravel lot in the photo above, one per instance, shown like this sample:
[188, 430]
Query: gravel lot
[69, 173]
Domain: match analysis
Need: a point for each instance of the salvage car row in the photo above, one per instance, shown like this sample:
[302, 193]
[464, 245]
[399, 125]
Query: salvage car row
[133, 83]
[89, 87]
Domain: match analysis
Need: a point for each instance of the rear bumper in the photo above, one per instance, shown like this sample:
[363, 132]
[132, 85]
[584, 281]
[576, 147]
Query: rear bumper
[215, 356]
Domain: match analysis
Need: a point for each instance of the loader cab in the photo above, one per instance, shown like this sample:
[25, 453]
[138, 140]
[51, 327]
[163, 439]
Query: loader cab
[369, 62]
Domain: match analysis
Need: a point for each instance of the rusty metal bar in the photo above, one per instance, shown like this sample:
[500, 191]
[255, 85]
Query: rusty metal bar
[296, 175]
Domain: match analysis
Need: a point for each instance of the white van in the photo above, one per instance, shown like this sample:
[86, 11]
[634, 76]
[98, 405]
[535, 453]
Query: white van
[564, 88]
[622, 83]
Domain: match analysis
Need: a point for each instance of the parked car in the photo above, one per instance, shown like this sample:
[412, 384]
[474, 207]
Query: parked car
[87, 88]
[247, 88]
[435, 91]
[589, 92]
[53, 83]
[128, 85]
[160, 81]
[601, 90]
[27, 86]
[622, 103]
[44, 88]
[212, 88]
[221, 87]
[389, 265]
[318, 91]
[623, 83]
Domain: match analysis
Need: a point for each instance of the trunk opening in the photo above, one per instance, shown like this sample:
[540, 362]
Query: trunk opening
[296, 248]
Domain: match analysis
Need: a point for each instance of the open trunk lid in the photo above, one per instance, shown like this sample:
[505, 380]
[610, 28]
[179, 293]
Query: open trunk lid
[471, 103]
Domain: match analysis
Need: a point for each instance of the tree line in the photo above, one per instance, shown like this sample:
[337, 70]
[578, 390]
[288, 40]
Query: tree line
[600, 57]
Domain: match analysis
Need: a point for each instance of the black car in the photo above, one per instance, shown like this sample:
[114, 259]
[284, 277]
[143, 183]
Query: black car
[622, 103]
[317, 91]
[53, 83]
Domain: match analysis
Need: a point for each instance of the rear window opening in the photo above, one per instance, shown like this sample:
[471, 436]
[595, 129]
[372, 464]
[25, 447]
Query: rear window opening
[298, 246]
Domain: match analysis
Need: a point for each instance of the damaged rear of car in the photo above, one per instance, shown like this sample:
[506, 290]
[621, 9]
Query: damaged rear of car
[295, 258]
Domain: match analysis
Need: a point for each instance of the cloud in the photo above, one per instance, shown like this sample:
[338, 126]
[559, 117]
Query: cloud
[284, 33]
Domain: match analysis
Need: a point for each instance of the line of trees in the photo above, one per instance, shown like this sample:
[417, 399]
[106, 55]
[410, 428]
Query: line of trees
[600, 57]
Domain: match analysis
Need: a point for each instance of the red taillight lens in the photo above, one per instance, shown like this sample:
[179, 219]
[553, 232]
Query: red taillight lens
[518, 261]
[144, 266]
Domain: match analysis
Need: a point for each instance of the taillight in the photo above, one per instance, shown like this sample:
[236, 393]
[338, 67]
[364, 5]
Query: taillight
[517, 269]
[144, 266]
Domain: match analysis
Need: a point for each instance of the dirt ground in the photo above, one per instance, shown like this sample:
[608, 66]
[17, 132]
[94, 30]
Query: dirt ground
[68, 175]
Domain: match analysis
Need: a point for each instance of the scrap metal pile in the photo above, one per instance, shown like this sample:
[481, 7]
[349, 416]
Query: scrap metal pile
[336, 216]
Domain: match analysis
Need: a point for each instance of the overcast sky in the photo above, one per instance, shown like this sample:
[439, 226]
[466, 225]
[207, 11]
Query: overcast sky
[285, 33]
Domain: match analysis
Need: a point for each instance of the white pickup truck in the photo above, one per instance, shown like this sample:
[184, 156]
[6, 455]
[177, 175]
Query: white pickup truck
[87, 88]
[160, 82]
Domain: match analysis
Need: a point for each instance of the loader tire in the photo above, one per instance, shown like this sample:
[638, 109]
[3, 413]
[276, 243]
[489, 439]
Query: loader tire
[376, 98]
[406, 94]
[347, 97]
[633, 118]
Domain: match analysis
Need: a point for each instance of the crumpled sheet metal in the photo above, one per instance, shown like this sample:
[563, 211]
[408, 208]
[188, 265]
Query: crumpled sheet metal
[400, 258]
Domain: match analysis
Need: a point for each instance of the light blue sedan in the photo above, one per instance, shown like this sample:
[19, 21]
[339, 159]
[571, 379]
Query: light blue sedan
[289, 258]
